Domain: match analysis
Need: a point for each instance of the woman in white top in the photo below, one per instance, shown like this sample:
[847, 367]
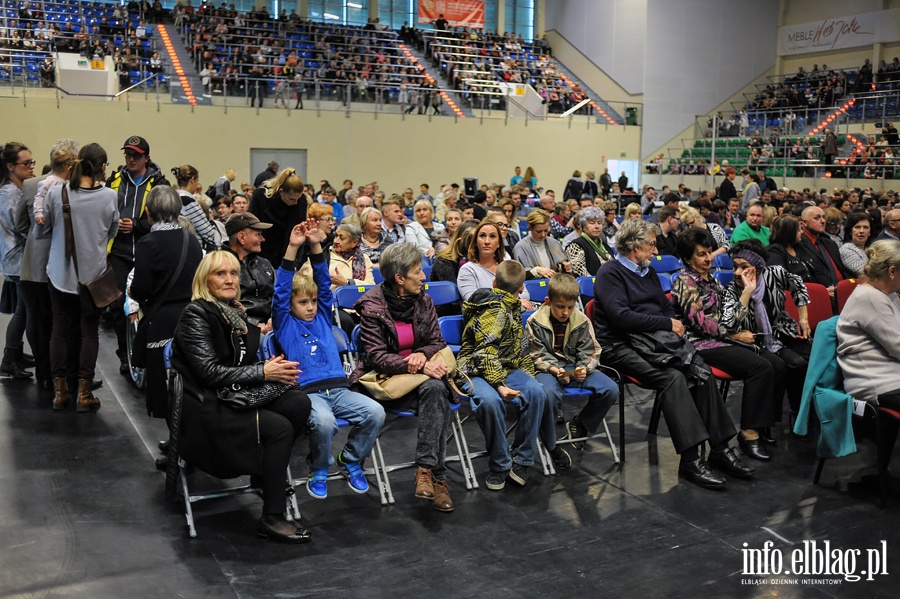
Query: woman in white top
[868, 345]
[424, 230]
[485, 255]
[857, 230]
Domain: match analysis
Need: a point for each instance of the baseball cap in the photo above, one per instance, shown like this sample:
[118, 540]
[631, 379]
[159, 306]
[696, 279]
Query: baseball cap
[243, 220]
[137, 144]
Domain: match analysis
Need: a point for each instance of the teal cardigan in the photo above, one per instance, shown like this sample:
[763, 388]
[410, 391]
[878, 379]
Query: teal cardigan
[832, 409]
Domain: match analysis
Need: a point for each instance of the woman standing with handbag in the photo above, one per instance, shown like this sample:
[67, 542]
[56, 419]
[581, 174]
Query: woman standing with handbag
[81, 217]
[399, 334]
[164, 264]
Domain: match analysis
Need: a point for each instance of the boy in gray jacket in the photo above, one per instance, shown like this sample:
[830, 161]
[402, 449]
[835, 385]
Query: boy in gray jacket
[566, 354]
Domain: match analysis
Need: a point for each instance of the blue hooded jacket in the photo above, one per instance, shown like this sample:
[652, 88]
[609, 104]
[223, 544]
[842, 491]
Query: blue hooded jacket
[311, 343]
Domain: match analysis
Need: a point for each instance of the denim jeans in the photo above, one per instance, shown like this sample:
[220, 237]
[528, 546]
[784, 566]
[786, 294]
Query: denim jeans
[490, 411]
[364, 414]
[606, 393]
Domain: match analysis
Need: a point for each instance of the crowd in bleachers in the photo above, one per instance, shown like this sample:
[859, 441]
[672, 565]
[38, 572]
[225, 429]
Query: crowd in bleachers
[289, 57]
[476, 61]
[498, 251]
[93, 29]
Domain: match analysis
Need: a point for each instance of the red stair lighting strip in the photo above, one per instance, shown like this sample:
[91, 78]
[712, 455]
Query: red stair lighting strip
[430, 79]
[179, 71]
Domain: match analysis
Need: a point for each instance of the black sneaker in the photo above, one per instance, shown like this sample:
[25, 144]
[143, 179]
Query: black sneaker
[561, 458]
[495, 481]
[574, 430]
[519, 474]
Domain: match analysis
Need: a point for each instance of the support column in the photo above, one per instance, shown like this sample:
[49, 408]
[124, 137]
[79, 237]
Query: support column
[373, 10]
[540, 20]
[303, 9]
[501, 17]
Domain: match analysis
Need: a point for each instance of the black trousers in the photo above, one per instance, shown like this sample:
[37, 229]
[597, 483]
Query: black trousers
[37, 326]
[693, 414]
[763, 377]
[68, 321]
[795, 354]
[280, 423]
[891, 399]
[121, 266]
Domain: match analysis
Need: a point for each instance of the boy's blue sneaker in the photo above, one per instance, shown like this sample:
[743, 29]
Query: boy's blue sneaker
[354, 474]
[317, 484]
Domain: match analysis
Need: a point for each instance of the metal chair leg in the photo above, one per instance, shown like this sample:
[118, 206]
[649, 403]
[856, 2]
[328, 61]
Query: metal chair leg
[612, 444]
[292, 509]
[186, 495]
[466, 455]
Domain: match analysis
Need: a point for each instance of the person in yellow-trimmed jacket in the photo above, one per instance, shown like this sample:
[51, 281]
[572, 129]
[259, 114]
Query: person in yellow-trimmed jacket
[132, 183]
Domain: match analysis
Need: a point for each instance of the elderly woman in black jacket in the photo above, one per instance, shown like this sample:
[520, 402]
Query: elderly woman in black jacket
[214, 350]
[156, 259]
[399, 334]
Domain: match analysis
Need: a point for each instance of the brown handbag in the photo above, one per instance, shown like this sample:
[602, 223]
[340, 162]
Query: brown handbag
[387, 387]
[100, 292]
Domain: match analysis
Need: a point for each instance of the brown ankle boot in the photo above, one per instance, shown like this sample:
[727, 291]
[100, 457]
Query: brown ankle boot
[86, 400]
[442, 501]
[424, 483]
[61, 396]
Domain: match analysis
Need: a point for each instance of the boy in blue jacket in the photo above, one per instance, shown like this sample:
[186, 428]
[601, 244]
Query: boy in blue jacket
[301, 318]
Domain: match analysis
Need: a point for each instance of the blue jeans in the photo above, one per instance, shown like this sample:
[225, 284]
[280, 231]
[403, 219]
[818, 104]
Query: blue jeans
[365, 414]
[490, 411]
[606, 393]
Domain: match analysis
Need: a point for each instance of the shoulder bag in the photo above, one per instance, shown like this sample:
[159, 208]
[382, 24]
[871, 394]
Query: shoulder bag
[100, 292]
[139, 343]
[386, 387]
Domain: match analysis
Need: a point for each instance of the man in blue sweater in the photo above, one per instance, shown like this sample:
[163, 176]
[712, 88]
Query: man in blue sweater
[629, 303]
[301, 318]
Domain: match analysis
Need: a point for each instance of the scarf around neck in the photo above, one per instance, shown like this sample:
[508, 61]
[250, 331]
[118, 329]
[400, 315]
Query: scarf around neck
[598, 247]
[401, 308]
[357, 262]
[233, 315]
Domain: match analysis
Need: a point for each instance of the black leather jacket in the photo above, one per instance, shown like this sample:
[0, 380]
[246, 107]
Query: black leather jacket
[208, 356]
[257, 287]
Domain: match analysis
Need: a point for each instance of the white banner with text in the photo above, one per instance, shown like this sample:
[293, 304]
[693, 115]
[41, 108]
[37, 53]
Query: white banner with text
[841, 32]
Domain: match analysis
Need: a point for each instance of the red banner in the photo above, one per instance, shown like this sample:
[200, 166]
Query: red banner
[457, 13]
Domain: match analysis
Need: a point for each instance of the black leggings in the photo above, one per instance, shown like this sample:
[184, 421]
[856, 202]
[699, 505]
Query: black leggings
[280, 423]
[37, 300]
[891, 399]
[796, 359]
[69, 322]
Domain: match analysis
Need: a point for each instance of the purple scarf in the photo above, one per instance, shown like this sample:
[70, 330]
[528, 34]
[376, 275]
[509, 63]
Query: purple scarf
[759, 308]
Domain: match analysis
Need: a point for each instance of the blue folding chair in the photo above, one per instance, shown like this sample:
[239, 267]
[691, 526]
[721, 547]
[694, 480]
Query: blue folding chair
[451, 331]
[376, 274]
[346, 296]
[537, 290]
[666, 264]
[724, 276]
[722, 262]
[665, 281]
[586, 285]
[443, 292]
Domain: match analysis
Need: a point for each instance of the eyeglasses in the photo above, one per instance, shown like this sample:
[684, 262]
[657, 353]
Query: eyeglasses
[653, 243]
[27, 163]
[133, 155]
[502, 225]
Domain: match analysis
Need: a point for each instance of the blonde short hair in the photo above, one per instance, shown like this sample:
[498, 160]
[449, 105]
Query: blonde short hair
[303, 286]
[210, 263]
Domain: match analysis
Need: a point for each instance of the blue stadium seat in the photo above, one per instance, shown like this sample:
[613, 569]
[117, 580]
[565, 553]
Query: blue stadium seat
[666, 264]
[537, 290]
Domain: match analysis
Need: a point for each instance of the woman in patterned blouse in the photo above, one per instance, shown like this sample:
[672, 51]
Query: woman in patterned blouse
[755, 300]
[699, 298]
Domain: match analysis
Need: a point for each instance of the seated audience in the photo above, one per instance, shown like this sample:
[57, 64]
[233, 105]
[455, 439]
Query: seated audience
[752, 227]
[399, 334]
[539, 253]
[638, 330]
[301, 318]
[373, 241]
[699, 299]
[590, 251]
[214, 348]
[491, 355]
[783, 244]
[819, 252]
[566, 354]
[857, 231]
[245, 239]
[868, 350]
[424, 231]
[755, 302]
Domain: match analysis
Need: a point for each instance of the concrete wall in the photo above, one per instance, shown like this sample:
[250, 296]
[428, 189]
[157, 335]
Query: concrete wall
[394, 152]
